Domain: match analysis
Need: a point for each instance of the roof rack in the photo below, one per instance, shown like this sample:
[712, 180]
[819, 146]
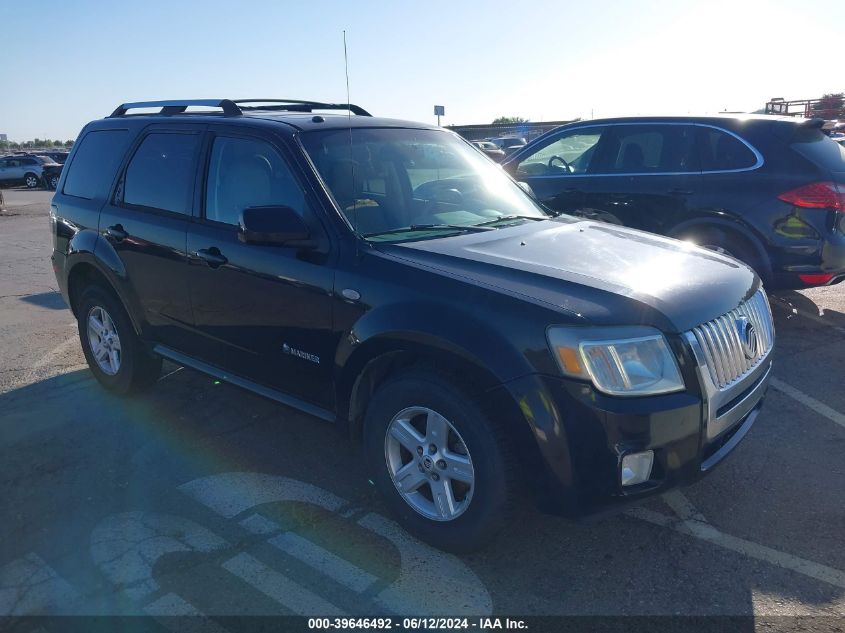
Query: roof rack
[179, 106]
[232, 107]
[295, 105]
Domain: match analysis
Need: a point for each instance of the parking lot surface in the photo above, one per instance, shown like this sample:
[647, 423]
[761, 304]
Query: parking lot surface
[199, 498]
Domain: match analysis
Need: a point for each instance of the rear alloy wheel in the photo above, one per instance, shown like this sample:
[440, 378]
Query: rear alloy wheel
[31, 181]
[54, 182]
[103, 340]
[443, 466]
[117, 357]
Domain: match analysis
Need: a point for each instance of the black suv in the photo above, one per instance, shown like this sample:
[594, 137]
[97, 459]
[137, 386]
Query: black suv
[388, 278]
[767, 190]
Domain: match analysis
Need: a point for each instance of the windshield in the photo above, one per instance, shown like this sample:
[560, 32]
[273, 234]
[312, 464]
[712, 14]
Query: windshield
[386, 180]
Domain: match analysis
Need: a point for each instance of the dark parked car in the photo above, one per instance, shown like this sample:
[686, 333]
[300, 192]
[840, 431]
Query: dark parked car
[50, 175]
[509, 144]
[385, 277]
[491, 150]
[769, 191]
[59, 157]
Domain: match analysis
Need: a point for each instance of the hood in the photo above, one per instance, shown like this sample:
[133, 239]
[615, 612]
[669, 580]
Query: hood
[606, 274]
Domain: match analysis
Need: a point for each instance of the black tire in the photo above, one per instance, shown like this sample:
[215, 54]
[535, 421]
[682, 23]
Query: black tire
[53, 182]
[138, 368]
[495, 474]
[31, 180]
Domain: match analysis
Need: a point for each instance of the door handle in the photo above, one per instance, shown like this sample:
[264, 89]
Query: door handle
[679, 192]
[211, 256]
[116, 232]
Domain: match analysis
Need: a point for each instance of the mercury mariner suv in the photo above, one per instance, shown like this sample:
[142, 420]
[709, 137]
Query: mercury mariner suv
[386, 277]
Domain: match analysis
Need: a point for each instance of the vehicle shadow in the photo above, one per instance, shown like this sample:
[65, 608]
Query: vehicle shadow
[72, 456]
[49, 300]
[796, 303]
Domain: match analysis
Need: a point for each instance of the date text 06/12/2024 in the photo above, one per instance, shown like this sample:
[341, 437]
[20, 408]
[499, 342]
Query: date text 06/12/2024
[412, 624]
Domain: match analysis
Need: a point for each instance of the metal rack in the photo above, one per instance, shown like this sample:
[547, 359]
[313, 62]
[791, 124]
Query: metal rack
[237, 107]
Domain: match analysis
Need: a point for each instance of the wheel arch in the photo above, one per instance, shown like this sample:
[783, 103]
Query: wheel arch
[376, 361]
[85, 272]
[735, 227]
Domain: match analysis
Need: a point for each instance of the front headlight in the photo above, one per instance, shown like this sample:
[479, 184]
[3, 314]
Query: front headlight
[633, 361]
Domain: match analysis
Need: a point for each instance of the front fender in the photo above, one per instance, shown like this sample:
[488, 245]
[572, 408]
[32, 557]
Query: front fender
[441, 327]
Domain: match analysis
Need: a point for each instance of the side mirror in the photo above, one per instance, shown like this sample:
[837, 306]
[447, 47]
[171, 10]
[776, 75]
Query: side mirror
[274, 225]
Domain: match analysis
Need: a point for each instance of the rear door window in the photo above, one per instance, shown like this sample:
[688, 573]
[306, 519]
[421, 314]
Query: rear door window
[647, 148]
[95, 162]
[722, 151]
[161, 173]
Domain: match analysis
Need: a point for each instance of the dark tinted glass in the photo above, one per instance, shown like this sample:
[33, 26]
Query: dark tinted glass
[93, 166]
[161, 173]
[246, 173]
[721, 151]
[642, 149]
[29, 161]
[812, 144]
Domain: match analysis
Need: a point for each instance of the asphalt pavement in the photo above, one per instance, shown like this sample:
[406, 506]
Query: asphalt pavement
[200, 498]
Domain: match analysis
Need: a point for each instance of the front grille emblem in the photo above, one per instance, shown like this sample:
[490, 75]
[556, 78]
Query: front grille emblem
[747, 336]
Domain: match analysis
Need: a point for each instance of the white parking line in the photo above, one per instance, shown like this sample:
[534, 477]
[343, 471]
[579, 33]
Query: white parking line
[335, 567]
[710, 534]
[229, 494]
[279, 587]
[682, 506]
[181, 616]
[29, 586]
[809, 401]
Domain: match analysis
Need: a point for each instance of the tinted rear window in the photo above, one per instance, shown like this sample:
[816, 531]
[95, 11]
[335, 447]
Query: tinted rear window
[93, 166]
[721, 151]
[822, 150]
[161, 173]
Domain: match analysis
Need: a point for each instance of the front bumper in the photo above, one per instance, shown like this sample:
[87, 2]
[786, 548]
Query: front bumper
[582, 436]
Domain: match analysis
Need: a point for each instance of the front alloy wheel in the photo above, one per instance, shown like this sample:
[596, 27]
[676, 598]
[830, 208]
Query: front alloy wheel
[429, 463]
[31, 181]
[443, 464]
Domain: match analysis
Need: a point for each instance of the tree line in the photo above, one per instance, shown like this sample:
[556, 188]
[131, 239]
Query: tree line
[36, 143]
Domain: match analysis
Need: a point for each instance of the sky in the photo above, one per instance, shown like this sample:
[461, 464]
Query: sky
[71, 61]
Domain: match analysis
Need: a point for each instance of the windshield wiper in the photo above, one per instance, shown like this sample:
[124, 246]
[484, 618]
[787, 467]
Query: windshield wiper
[504, 218]
[475, 228]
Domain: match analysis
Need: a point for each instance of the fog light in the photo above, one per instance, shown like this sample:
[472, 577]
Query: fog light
[636, 467]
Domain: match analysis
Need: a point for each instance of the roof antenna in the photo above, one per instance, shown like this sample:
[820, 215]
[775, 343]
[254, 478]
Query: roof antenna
[351, 154]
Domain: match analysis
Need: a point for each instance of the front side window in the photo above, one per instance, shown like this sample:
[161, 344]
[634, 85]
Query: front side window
[161, 173]
[568, 154]
[246, 173]
[408, 181]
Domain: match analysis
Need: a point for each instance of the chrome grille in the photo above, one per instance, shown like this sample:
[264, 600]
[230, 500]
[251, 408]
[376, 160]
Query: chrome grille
[721, 340]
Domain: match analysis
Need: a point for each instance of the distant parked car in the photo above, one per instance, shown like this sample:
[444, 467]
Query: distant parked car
[769, 191]
[51, 174]
[59, 157]
[23, 169]
[509, 144]
[492, 150]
